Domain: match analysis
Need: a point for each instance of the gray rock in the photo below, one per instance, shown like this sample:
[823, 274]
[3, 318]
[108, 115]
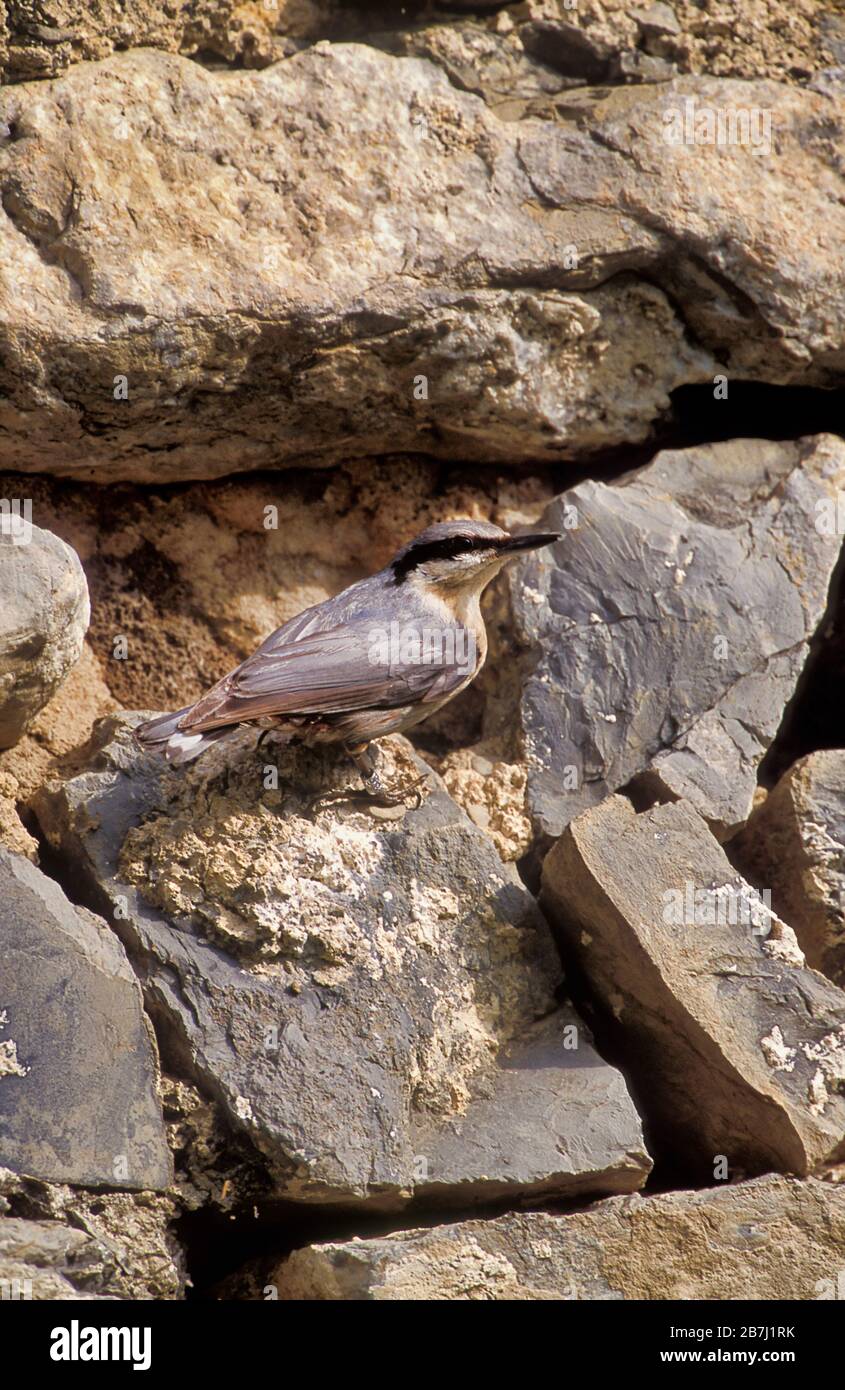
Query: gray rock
[773, 1238]
[371, 1001]
[78, 1069]
[45, 1260]
[476, 58]
[635, 66]
[573, 50]
[738, 1045]
[832, 27]
[59, 1242]
[666, 631]
[552, 277]
[794, 845]
[43, 617]
[657, 21]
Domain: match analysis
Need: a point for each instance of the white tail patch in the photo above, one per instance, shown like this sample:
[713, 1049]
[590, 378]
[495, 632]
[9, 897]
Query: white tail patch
[181, 748]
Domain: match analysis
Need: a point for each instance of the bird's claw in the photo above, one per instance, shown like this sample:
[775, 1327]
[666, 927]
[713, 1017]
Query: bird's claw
[373, 796]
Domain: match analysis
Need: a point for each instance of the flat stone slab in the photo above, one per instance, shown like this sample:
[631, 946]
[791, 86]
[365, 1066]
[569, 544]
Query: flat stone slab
[78, 1062]
[772, 1238]
[372, 1001]
[666, 631]
[738, 1045]
[794, 844]
[531, 288]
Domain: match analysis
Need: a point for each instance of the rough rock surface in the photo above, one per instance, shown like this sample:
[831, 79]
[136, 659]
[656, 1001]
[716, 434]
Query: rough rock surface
[609, 39]
[667, 629]
[552, 279]
[638, 41]
[43, 619]
[46, 1260]
[371, 1000]
[433, 262]
[59, 1242]
[739, 1046]
[41, 38]
[63, 725]
[185, 583]
[78, 1067]
[772, 1238]
[794, 845]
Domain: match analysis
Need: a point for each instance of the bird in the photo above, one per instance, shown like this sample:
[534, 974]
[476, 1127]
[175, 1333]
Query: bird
[377, 659]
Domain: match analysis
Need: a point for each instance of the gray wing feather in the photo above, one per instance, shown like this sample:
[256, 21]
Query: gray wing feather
[328, 672]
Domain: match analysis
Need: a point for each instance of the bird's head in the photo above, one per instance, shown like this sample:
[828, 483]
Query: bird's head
[461, 556]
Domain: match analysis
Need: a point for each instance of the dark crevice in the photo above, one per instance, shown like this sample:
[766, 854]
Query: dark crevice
[813, 718]
[54, 864]
[218, 1247]
[752, 410]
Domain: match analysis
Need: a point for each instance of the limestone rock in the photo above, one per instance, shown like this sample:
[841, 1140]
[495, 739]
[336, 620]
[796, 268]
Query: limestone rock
[738, 1045]
[78, 1069]
[493, 796]
[666, 631]
[58, 1242]
[43, 619]
[725, 38]
[63, 725]
[46, 1260]
[457, 285]
[45, 37]
[370, 1000]
[794, 845]
[740, 38]
[772, 1238]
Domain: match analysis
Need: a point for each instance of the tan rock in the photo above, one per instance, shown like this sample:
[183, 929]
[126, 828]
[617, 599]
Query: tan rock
[725, 38]
[794, 845]
[372, 1003]
[47, 1260]
[43, 620]
[61, 1242]
[493, 796]
[739, 1047]
[772, 1238]
[531, 281]
[64, 724]
[733, 38]
[44, 39]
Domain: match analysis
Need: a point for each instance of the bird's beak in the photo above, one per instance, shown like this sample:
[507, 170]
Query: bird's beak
[532, 542]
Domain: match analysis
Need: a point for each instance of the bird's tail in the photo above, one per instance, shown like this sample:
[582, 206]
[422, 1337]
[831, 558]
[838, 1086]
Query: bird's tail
[161, 735]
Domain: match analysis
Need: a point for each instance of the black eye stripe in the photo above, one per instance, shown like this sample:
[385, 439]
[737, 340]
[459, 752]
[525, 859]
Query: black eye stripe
[445, 549]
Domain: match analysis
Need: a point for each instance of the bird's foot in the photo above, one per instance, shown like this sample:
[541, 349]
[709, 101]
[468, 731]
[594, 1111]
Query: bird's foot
[265, 734]
[374, 793]
[379, 795]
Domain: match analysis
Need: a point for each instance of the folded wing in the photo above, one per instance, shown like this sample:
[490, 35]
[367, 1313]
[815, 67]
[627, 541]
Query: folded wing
[330, 672]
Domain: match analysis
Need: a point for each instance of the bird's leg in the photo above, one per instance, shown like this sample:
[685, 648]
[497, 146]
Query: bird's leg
[376, 791]
[365, 762]
[265, 733]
